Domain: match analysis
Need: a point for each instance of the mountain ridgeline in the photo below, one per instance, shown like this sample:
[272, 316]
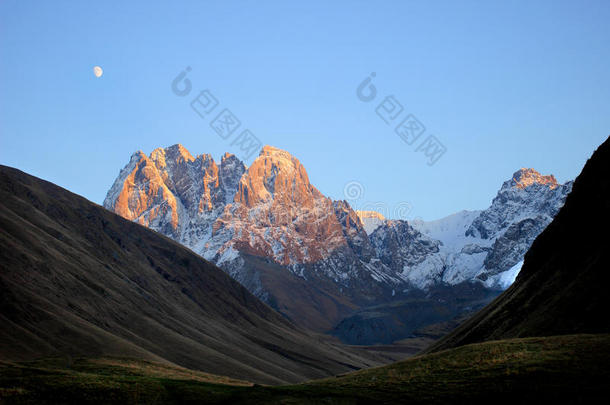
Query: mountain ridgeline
[79, 281]
[561, 288]
[312, 258]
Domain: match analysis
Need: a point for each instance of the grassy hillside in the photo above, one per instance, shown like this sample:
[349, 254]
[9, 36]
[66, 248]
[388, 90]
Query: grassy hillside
[560, 369]
[77, 280]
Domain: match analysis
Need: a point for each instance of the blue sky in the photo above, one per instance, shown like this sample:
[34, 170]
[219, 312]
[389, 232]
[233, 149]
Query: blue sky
[502, 85]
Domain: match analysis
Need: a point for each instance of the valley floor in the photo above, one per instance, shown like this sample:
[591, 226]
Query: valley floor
[558, 369]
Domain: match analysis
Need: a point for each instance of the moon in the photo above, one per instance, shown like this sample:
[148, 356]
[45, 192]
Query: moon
[97, 71]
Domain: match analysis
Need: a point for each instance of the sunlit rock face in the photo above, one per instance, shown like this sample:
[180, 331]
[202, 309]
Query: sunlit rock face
[489, 245]
[528, 177]
[527, 194]
[271, 210]
[277, 213]
[173, 192]
[370, 220]
[142, 195]
[523, 208]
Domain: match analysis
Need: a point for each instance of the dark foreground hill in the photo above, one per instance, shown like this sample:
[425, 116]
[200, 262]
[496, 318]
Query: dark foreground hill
[560, 292]
[563, 285]
[552, 370]
[79, 281]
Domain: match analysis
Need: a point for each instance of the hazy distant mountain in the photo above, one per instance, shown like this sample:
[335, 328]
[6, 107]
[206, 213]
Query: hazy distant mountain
[314, 259]
[561, 288]
[78, 280]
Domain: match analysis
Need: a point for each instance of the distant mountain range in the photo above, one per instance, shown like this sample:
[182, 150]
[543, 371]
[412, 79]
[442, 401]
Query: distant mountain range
[108, 309]
[318, 261]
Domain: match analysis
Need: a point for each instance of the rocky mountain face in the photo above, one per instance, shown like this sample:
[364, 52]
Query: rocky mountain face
[370, 220]
[489, 245]
[272, 230]
[174, 193]
[460, 262]
[234, 216]
[277, 213]
[269, 209]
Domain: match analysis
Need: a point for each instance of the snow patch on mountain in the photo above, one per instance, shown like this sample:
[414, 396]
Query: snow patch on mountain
[488, 245]
[370, 220]
[271, 210]
[505, 279]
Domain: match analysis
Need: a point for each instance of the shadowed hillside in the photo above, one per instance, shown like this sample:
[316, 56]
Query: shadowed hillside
[78, 280]
[559, 369]
[562, 287]
[81, 281]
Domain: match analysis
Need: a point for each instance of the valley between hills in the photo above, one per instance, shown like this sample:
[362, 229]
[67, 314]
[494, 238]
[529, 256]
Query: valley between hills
[143, 301]
[323, 265]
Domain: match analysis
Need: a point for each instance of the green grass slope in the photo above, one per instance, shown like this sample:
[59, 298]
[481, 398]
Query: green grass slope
[559, 369]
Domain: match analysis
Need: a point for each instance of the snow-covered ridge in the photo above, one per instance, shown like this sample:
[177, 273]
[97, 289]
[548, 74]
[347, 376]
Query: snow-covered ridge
[451, 230]
[270, 209]
[528, 177]
[488, 245]
[370, 220]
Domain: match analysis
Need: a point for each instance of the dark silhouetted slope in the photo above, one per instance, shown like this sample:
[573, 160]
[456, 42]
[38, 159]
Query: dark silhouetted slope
[78, 280]
[563, 285]
[571, 369]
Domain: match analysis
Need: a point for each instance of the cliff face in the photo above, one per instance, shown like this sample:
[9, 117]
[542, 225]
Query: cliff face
[269, 209]
[527, 195]
[173, 192]
[370, 220]
[525, 178]
[489, 245]
[278, 214]
[232, 214]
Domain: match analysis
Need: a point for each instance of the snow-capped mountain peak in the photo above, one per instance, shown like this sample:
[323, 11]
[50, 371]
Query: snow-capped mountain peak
[527, 194]
[276, 175]
[370, 220]
[524, 178]
[271, 210]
